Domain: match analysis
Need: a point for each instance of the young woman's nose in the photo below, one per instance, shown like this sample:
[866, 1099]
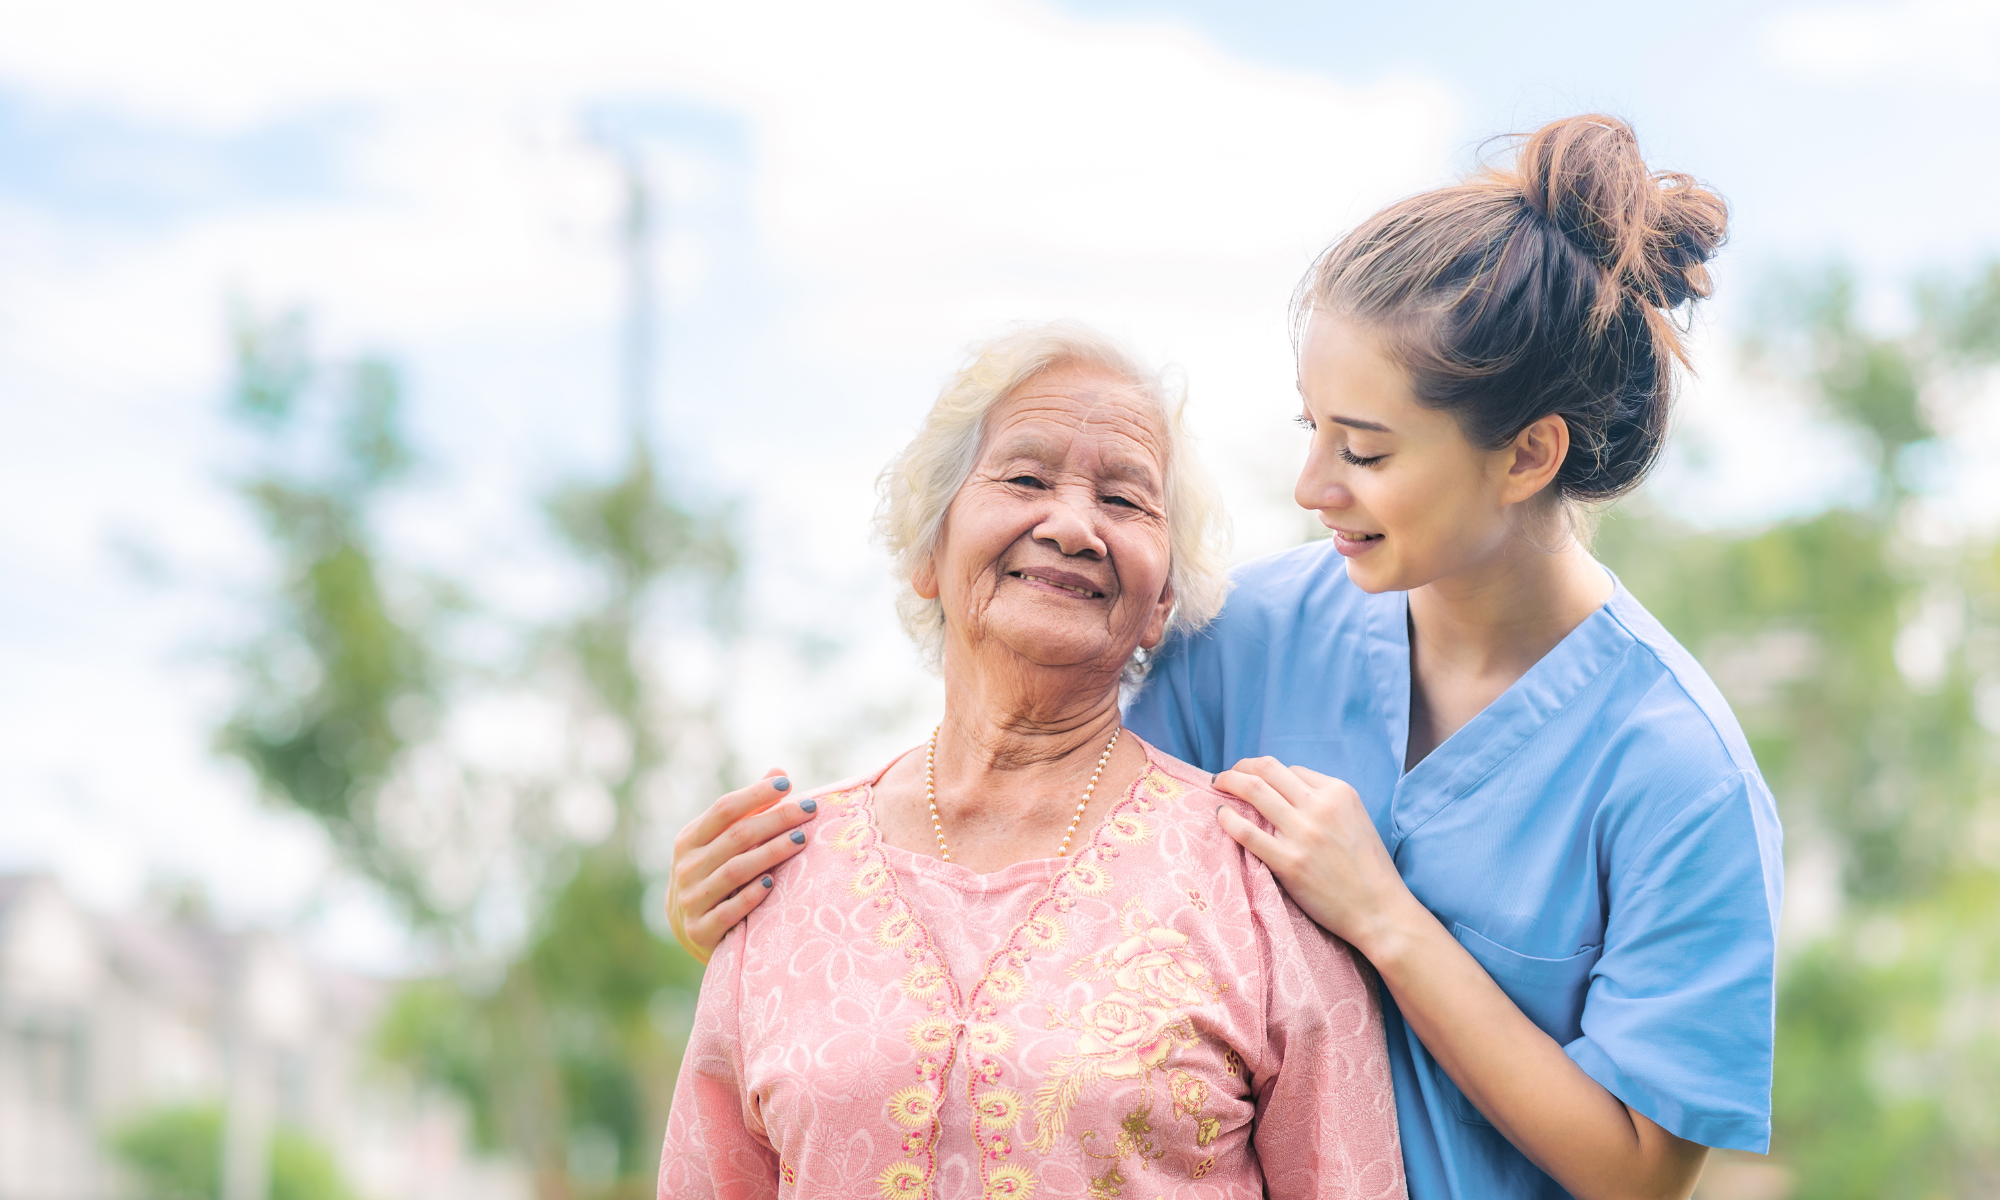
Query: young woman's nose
[1319, 488]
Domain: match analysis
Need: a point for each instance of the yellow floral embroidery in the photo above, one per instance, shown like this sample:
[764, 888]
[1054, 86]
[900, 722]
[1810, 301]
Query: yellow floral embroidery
[1188, 1094]
[1135, 1133]
[1090, 879]
[1010, 1182]
[1202, 1168]
[923, 981]
[998, 1109]
[904, 1181]
[1045, 932]
[1127, 1033]
[1107, 1185]
[1234, 1064]
[1127, 828]
[1131, 1031]
[895, 929]
[930, 1036]
[912, 1106]
[989, 1039]
[1005, 985]
[1135, 1140]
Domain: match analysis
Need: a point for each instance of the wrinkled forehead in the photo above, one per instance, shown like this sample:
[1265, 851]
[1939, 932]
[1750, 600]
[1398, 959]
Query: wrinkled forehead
[1083, 416]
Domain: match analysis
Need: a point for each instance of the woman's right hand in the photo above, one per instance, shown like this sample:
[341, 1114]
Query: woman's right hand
[723, 857]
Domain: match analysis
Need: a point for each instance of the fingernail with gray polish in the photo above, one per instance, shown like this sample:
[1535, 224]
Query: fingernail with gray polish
[782, 784]
[809, 806]
[766, 881]
[798, 837]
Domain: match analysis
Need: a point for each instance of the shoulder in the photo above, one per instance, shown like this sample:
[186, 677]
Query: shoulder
[827, 865]
[1272, 597]
[1300, 958]
[1184, 800]
[853, 785]
[1309, 576]
[1300, 566]
[1683, 748]
[1679, 704]
[1183, 795]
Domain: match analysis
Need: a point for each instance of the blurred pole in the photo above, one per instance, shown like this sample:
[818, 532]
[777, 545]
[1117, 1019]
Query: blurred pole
[246, 1127]
[639, 301]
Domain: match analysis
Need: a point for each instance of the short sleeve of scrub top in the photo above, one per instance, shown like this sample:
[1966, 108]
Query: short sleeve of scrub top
[1598, 838]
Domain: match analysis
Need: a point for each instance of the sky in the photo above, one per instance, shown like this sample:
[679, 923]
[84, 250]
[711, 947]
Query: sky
[851, 194]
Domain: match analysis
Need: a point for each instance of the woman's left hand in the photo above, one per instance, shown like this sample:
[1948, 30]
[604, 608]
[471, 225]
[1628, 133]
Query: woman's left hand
[1324, 850]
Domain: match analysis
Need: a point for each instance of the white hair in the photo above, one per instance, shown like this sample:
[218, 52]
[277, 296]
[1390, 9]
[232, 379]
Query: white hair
[918, 484]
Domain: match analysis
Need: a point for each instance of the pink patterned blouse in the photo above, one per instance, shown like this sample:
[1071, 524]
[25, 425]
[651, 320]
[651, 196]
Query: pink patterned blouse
[1151, 1017]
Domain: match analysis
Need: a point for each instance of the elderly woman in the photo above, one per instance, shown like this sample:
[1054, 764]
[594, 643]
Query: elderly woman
[1024, 958]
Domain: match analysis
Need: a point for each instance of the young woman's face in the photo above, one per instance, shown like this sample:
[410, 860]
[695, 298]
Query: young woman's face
[1409, 499]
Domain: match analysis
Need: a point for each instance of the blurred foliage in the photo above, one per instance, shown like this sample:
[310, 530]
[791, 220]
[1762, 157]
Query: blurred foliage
[176, 1154]
[564, 1044]
[336, 664]
[1859, 647]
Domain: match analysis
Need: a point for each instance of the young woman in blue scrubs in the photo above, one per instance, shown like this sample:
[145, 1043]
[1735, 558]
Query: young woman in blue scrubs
[1482, 762]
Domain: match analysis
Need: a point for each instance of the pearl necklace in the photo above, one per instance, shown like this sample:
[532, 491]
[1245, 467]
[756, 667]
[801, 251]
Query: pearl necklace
[937, 823]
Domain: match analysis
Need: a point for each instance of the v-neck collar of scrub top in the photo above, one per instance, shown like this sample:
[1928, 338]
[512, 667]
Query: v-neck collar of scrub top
[1482, 744]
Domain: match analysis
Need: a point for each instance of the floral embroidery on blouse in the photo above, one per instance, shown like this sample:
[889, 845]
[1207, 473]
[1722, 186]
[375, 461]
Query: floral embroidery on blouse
[1127, 1033]
[901, 1029]
[1132, 1030]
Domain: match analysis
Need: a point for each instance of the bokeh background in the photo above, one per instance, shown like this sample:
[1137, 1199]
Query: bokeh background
[437, 443]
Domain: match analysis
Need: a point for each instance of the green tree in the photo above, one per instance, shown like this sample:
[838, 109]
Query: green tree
[565, 1044]
[572, 1060]
[1855, 645]
[176, 1154]
[334, 681]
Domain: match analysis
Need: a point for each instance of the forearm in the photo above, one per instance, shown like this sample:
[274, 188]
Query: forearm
[1516, 1075]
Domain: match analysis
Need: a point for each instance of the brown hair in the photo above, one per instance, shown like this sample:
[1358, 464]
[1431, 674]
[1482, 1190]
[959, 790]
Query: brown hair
[1543, 287]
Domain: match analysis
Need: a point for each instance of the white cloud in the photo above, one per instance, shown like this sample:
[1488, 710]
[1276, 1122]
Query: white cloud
[1950, 41]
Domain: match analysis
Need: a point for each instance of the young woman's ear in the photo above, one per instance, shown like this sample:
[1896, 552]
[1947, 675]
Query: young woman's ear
[1534, 457]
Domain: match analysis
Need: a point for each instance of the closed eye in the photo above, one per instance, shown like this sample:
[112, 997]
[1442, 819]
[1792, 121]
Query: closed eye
[1352, 459]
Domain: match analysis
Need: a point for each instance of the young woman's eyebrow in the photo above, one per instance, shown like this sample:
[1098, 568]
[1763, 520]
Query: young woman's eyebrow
[1358, 423]
[1350, 422]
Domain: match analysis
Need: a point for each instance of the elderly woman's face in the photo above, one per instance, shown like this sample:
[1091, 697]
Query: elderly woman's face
[1056, 545]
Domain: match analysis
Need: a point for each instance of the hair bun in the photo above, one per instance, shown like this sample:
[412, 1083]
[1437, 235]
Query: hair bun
[1652, 231]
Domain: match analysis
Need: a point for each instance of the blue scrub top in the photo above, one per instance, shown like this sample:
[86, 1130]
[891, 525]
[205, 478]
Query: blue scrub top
[1598, 838]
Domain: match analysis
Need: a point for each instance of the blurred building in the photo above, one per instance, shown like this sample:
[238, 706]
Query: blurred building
[103, 1019]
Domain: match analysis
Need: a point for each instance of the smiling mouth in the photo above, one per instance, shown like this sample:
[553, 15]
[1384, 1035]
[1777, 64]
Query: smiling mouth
[1358, 537]
[1072, 589]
